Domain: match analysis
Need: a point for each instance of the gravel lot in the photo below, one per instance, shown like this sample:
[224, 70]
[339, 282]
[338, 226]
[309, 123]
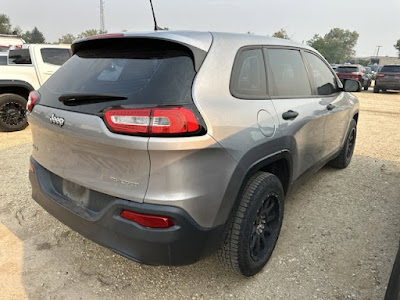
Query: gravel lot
[339, 237]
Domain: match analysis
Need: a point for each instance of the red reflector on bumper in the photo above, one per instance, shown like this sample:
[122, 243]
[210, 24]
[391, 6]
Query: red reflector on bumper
[146, 220]
[31, 167]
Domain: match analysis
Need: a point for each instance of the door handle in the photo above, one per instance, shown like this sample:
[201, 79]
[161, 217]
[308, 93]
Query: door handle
[330, 107]
[290, 115]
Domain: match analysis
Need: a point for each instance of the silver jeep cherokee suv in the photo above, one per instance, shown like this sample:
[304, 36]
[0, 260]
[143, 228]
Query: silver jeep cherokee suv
[167, 146]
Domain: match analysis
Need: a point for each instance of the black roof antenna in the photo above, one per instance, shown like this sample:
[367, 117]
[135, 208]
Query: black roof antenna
[156, 27]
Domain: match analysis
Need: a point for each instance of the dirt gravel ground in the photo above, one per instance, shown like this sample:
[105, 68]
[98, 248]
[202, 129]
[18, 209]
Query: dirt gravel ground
[339, 237]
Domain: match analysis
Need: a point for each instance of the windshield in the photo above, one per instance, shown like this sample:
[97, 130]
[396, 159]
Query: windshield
[390, 69]
[346, 69]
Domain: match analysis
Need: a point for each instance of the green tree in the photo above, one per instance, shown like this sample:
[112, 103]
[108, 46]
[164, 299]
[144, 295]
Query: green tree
[33, 37]
[36, 36]
[66, 39]
[5, 24]
[281, 34]
[17, 31]
[337, 46]
[26, 36]
[90, 32]
[397, 46]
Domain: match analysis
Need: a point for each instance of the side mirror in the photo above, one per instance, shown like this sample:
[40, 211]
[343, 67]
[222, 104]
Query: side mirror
[351, 85]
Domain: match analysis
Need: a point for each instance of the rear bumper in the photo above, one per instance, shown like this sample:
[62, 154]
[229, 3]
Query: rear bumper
[387, 85]
[365, 82]
[184, 243]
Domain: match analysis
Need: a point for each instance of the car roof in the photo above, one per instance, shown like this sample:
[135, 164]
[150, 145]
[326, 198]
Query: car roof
[203, 39]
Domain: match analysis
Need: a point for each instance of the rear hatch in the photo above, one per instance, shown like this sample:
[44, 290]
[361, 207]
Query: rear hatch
[348, 72]
[390, 75]
[71, 138]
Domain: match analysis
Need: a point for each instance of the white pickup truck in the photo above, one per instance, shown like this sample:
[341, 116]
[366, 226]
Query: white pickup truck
[28, 67]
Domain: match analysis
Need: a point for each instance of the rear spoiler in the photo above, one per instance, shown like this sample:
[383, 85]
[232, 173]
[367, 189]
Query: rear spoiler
[104, 39]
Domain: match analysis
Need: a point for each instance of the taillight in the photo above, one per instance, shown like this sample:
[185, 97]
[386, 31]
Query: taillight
[380, 75]
[165, 121]
[146, 220]
[32, 99]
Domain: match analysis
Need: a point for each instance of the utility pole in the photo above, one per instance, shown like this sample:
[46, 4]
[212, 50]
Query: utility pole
[102, 24]
[377, 51]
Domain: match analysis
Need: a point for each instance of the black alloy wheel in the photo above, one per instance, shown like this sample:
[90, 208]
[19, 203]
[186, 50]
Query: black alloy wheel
[351, 143]
[254, 226]
[12, 112]
[265, 228]
[346, 153]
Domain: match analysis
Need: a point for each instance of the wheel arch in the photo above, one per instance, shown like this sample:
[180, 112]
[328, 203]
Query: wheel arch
[355, 117]
[17, 87]
[279, 163]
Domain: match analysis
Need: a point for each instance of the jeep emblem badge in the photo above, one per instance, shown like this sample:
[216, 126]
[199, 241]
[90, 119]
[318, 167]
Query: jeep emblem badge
[57, 120]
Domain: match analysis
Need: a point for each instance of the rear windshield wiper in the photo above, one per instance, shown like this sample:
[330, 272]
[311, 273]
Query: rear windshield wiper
[79, 99]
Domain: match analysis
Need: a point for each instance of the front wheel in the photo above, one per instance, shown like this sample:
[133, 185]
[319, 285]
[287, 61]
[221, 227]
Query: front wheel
[12, 112]
[254, 227]
[376, 89]
[345, 155]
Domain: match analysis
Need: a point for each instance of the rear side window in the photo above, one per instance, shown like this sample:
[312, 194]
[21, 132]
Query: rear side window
[145, 72]
[19, 57]
[55, 56]
[390, 69]
[248, 79]
[324, 80]
[288, 73]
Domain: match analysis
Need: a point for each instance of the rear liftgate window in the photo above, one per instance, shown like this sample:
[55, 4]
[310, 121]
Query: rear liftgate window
[134, 72]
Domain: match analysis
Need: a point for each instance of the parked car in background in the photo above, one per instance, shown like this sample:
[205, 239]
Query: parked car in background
[7, 41]
[374, 70]
[369, 73]
[29, 66]
[355, 72]
[387, 78]
[168, 146]
[334, 66]
[3, 58]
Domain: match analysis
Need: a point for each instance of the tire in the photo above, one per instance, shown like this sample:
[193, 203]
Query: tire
[12, 112]
[376, 89]
[384, 90]
[249, 242]
[345, 155]
[359, 87]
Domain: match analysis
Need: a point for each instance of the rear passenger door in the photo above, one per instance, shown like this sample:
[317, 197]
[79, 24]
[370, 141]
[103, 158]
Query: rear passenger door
[301, 114]
[333, 100]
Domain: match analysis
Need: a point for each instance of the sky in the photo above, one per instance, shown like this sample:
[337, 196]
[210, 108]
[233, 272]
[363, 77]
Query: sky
[377, 22]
